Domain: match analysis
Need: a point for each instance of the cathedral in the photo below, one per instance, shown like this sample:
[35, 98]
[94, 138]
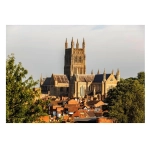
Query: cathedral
[75, 83]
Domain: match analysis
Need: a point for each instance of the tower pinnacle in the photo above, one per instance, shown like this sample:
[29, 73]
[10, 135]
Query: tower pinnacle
[77, 45]
[72, 43]
[66, 44]
[83, 44]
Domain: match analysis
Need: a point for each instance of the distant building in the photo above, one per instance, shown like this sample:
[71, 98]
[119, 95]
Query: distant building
[59, 85]
[75, 82]
[45, 85]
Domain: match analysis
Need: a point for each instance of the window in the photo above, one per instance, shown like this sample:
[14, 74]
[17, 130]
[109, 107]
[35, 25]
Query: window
[75, 59]
[80, 59]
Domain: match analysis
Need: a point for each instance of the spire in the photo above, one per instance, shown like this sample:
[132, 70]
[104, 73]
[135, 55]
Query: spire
[112, 72]
[72, 43]
[83, 44]
[104, 75]
[117, 72]
[41, 77]
[98, 72]
[83, 41]
[41, 80]
[66, 44]
[92, 72]
[118, 75]
[104, 71]
[77, 45]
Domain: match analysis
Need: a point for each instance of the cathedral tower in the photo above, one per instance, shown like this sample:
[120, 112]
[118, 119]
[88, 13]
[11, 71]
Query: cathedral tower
[74, 61]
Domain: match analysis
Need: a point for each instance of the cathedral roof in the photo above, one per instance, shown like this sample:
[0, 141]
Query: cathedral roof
[85, 78]
[47, 81]
[99, 77]
[61, 78]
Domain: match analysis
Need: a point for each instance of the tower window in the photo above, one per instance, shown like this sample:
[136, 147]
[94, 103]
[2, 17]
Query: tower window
[80, 59]
[75, 59]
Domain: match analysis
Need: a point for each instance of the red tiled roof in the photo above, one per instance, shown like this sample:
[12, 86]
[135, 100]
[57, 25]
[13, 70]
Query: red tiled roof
[72, 102]
[72, 109]
[71, 105]
[44, 118]
[80, 113]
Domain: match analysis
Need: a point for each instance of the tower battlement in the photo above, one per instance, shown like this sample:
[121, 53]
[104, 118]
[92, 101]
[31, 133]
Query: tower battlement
[74, 59]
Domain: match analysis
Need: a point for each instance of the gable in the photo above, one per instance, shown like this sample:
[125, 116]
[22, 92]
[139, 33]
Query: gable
[111, 79]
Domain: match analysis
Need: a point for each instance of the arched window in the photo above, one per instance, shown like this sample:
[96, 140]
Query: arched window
[75, 59]
[80, 59]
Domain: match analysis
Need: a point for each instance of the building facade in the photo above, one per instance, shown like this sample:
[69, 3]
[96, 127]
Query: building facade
[74, 61]
[59, 85]
[75, 82]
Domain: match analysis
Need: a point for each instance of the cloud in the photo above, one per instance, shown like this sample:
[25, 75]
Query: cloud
[41, 48]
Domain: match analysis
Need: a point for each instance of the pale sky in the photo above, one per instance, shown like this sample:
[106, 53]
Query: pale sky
[41, 48]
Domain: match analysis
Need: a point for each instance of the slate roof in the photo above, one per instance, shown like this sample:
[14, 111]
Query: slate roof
[72, 109]
[85, 78]
[99, 77]
[61, 78]
[47, 81]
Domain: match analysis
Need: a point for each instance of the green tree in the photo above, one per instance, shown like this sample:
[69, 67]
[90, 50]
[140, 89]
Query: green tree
[126, 102]
[20, 96]
[141, 77]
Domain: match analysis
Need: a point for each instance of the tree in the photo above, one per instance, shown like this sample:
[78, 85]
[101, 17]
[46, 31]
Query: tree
[141, 77]
[20, 103]
[126, 102]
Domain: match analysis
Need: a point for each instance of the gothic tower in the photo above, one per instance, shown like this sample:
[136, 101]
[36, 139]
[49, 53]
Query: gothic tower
[74, 61]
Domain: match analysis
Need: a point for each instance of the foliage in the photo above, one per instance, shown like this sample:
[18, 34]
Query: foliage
[127, 100]
[20, 96]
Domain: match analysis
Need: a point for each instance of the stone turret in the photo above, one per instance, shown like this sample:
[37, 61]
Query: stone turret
[83, 44]
[104, 75]
[72, 43]
[77, 45]
[41, 80]
[66, 44]
[118, 75]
